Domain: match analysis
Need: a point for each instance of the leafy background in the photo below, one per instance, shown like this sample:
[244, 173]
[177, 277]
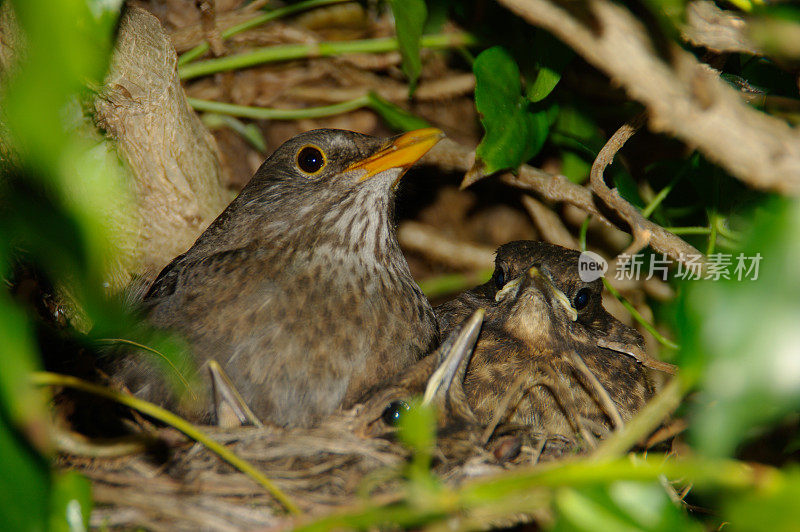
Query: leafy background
[534, 101]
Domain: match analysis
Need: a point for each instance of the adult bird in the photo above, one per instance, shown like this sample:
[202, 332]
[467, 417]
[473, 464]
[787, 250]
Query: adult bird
[298, 290]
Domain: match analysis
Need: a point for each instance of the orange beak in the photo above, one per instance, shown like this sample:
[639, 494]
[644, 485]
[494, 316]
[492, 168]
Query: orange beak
[402, 152]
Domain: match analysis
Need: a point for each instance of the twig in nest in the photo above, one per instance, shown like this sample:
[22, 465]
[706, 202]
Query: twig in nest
[69, 442]
[43, 378]
[665, 433]
[431, 90]
[208, 21]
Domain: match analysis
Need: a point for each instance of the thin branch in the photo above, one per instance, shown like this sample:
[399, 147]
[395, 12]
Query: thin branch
[641, 234]
[208, 23]
[549, 223]
[453, 157]
[644, 231]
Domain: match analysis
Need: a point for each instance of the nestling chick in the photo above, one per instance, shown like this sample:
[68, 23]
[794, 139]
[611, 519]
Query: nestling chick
[548, 359]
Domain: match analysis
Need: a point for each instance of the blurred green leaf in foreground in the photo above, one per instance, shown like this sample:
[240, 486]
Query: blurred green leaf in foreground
[742, 336]
[49, 216]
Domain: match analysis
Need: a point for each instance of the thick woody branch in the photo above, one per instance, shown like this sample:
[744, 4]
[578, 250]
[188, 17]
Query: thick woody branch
[685, 98]
[716, 29]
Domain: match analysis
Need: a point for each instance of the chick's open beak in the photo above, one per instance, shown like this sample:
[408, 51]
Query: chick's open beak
[402, 152]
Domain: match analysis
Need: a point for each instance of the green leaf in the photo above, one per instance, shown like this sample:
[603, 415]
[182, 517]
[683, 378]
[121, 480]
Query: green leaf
[773, 509]
[741, 336]
[438, 11]
[621, 506]
[418, 433]
[59, 60]
[70, 503]
[551, 57]
[23, 405]
[24, 481]
[514, 133]
[418, 428]
[626, 186]
[579, 139]
[409, 19]
[396, 117]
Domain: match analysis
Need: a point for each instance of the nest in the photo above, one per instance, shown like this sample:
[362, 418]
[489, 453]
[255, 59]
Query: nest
[323, 470]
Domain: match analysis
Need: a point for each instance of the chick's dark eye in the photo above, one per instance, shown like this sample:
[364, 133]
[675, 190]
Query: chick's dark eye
[310, 159]
[499, 278]
[581, 299]
[391, 416]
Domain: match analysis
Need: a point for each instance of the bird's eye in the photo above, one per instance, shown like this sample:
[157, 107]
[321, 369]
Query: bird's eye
[499, 277]
[394, 412]
[310, 159]
[581, 299]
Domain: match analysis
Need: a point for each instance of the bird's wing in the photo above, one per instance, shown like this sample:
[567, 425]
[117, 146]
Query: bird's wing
[167, 280]
[206, 276]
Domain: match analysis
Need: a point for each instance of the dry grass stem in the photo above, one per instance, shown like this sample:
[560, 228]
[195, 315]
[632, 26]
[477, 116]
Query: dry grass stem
[549, 223]
[427, 241]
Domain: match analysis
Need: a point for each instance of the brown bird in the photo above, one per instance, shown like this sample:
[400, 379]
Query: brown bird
[548, 359]
[299, 290]
[514, 259]
[536, 365]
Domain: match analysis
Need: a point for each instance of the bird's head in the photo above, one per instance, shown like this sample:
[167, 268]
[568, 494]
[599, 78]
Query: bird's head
[330, 188]
[562, 265]
[515, 258]
[337, 162]
[531, 307]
